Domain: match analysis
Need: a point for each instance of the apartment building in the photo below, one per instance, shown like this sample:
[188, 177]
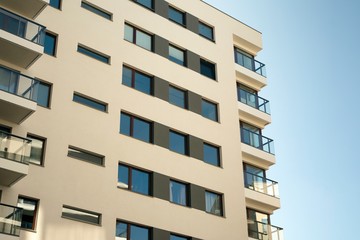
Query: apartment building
[132, 120]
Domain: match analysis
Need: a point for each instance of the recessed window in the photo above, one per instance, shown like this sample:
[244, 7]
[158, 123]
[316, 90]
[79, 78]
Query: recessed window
[178, 193]
[37, 149]
[206, 31]
[136, 127]
[177, 97]
[209, 110]
[177, 237]
[244, 59]
[138, 37]
[96, 10]
[93, 54]
[85, 155]
[207, 69]
[134, 179]
[177, 55]
[176, 16]
[178, 142]
[137, 80]
[50, 44]
[213, 202]
[81, 215]
[43, 96]
[211, 154]
[96, 104]
[146, 3]
[55, 3]
[29, 215]
[127, 231]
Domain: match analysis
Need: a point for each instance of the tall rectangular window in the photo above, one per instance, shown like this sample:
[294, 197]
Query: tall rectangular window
[209, 110]
[138, 37]
[134, 179]
[177, 55]
[55, 3]
[50, 44]
[93, 54]
[177, 97]
[146, 3]
[211, 154]
[213, 203]
[85, 155]
[207, 69]
[136, 127]
[176, 16]
[97, 10]
[127, 231]
[29, 216]
[137, 80]
[206, 31]
[37, 149]
[43, 97]
[81, 215]
[90, 102]
[178, 193]
[178, 142]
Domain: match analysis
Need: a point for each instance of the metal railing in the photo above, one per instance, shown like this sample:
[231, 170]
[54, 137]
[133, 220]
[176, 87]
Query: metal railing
[257, 141]
[15, 148]
[253, 100]
[261, 184]
[10, 219]
[18, 84]
[22, 27]
[263, 231]
[249, 62]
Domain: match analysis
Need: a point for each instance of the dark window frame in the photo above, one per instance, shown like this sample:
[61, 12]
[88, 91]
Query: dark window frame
[59, 6]
[179, 236]
[187, 192]
[99, 215]
[128, 228]
[133, 79]
[208, 64]
[221, 195]
[216, 105]
[131, 130]
[36, 211]
[175, 60]
[212, 38]
[90, 99]
[55, 37]
[219, 163]
[150, 8]
[185, 92]
[91, 53]
[177, 11]
[43, 150]
[134, 38]
[96, 10]
[130, 179]
[186, 142]
[96, 155]
[50, 85]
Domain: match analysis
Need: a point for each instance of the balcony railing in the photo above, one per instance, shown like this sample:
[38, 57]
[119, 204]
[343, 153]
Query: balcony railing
[261, 184]
[249, 62]
[257, 141]
[263, 231]
[22, 27]
[15, 148]
[18, 84]
[253, 100]
[10, 219]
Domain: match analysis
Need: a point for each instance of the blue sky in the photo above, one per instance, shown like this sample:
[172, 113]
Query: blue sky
[311, 50]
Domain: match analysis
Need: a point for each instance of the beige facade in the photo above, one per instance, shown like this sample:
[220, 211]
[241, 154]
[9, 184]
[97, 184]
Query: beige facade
[77, 167]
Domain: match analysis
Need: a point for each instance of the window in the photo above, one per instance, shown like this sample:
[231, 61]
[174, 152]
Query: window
[137, 80]
[43, 97]
[127, 231]
[30, 207]
[96, 104]
[145, 3]
[178, 193]
[211, 154]
[251, 135]
[209, 110]
[176, 16]
[207, 69]
[93, 54]
[206, 31]
[96, 10]
[55, 3]
[50, 44]
[177, 237]
[178, 142]
[244, 59]
[213, 202]
[177, 97]
[136, 127]
[37, 149]
[85, 155]
[177, 55]
[257, 224]
[254, 179]
[138, 37]
[81, 215]
[133, 179]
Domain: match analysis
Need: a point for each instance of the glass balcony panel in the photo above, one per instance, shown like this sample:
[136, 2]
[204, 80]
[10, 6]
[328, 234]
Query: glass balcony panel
[264, 231]
[261, 184]
[14, 148]
[10, 220]
[248, 61]
[253, 100]
[256, 140]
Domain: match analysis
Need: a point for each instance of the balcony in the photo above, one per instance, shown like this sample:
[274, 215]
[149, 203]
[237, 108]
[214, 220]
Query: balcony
[29, 8]
[10, 221]
[263, 231]
[21, 40]
[257, 141]
[18, 95]
[261, 193]
[247, 61]
[14, 158]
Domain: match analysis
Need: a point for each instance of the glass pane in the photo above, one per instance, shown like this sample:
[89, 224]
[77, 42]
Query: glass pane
[43, 95]
[123, 177]
[206, 31]
[146, 3]
[174, 237]
[143, 83]
[121, 231]
[176, 55]
[143, 40]
[36, 154]
[140, 182]
[55, 3]
[125, 124]
[96, 10]
[209, 110]
[176, 15]
[139, 233]
[29, 208]
[129, 33]
[142, 130]
[82, 155]
[127, 76]
[178, 193]
[213, 203]
[177, 97]
[93, 54]
[207, 69]
[50, 44]
[178, 143]
[211, 155]
[80, 215]
[89, 102]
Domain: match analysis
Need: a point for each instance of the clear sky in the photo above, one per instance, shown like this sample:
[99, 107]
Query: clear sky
[311, 51]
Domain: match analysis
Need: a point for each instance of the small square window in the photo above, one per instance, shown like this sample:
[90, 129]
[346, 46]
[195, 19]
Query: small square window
[177, 55]
[135, 127]
[207, 69]
[206, 31]
[43, 96]
[50, 44]
[146, 3]
[37, 149]
[55, 4]
[134, 179]
[178, 143]
[177, 97]
[138, 37]
[176, 16]
[178, 193]
[29, 216]
[211, 154]
[209, 110]
[137, 80]
[213, 203]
